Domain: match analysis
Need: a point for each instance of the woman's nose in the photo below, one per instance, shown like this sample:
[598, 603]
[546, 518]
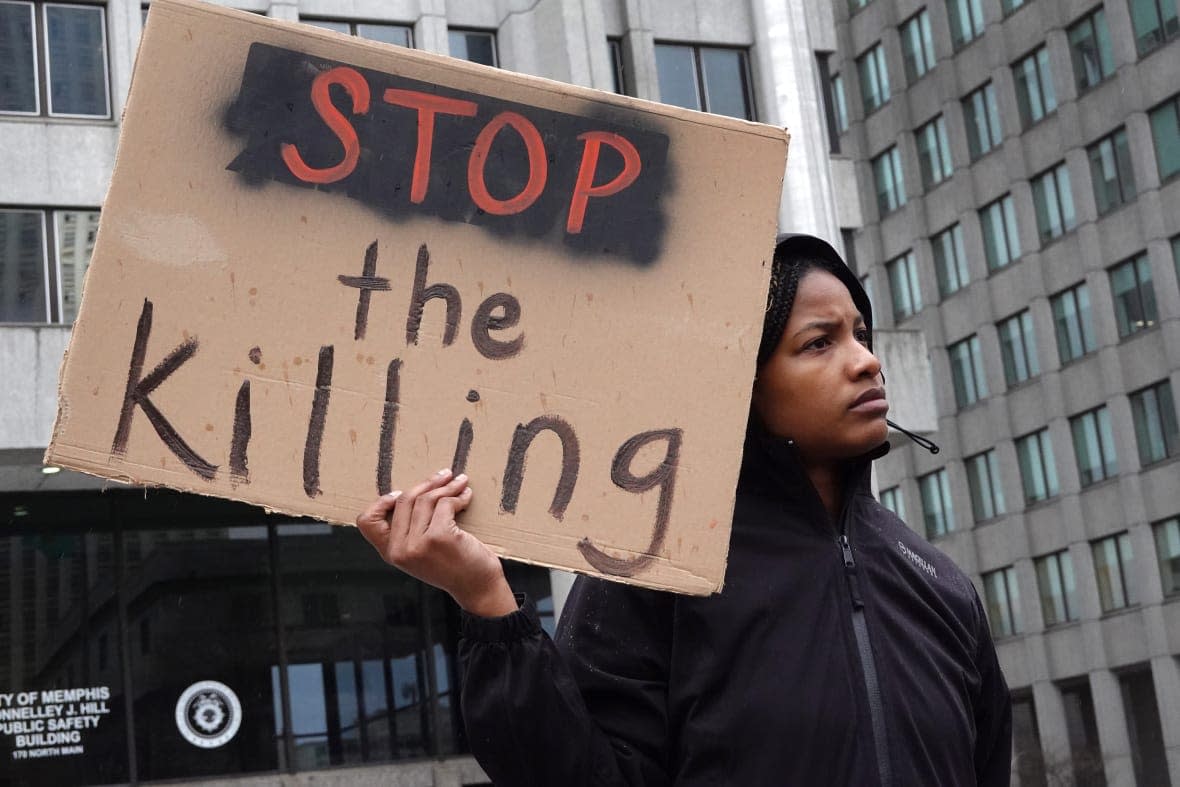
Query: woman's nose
[865, 363]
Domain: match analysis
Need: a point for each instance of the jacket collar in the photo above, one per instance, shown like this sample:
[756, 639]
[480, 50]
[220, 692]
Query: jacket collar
[772, 468]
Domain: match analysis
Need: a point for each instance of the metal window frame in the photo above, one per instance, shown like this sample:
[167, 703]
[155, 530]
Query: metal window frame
[481, 32]
[36, 62]
[106, 57]
[353, 24]
[45, 258]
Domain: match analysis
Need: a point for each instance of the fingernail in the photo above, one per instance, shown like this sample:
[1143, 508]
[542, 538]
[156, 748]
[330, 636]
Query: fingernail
[444, 471]
[394, 495]
[461, 477]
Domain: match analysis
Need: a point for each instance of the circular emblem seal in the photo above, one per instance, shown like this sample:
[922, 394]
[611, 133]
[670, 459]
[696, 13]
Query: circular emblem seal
[208, 714]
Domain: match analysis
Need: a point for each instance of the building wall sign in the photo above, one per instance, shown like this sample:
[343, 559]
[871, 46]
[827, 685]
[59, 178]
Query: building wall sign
[208, 714]
[51, 723]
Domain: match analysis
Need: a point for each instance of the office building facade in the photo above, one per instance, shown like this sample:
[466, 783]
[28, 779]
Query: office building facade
[152, 635]
[1018, 163]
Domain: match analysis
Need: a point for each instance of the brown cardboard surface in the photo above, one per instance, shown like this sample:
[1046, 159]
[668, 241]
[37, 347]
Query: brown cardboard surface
[218, 348]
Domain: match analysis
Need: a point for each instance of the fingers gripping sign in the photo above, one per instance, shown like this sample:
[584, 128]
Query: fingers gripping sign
[416, 531]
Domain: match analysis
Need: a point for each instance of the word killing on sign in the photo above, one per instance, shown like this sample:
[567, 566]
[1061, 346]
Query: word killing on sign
[498, 312]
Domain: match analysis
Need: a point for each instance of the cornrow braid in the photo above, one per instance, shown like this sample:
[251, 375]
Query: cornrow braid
[785, 274]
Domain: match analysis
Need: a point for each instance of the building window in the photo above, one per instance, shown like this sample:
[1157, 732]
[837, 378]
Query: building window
[866, 284]
[982, 118]
[1113, 563]
[1148, 756]
[1110, 170]
[1035, 96]
[41, 272]
[399, 35]
[917, 46]
[1093, 445]
[890, 182]
[1053, 201]
[1011, 6]
[891, 498]
[1167, 547]
[705, 78]
[1038, 468]
[617, 70]
[950, 261]
[1154, 22]
[1165, 133]
[987, 493]
[839, 103]
[70, 43]
[1027, 758]
[1176, 255]
[966, 21]
[903, 282]
[1089, 48]
[1002, 596]
[856, 5]
[1001, 243]
[1156, 431]
[1082, 728]
[1133, 295]
[937, 511]
[1073, 324]
[1058, 589]
[835, 111]
[934, 152]
[874, 78]
[967, 371]
[475, 46]
[1018, 348]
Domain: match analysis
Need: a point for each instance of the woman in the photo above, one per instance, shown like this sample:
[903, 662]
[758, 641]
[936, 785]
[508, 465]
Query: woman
[843, 649]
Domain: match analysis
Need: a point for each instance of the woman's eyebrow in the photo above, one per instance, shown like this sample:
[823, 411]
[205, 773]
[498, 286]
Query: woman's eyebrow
[826, 325]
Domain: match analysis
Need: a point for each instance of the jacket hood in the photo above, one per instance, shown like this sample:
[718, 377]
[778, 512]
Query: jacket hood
[802, 245]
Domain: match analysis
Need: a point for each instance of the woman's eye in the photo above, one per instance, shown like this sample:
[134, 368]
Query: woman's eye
[862, 336]
[818, 343]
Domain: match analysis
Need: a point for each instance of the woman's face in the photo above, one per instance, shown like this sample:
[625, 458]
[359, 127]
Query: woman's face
[822, 387]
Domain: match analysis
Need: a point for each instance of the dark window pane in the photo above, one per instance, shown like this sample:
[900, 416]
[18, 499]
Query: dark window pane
[18, 59]
[60, 633]
[23, 296]
[726, 88]
[473, 46]
[206, 592]
[77, 60]
[1082, 729]
[618, 76]
[677, 73]
[1026, 743]
[1148, 755]
[389, 34]
[371, 654]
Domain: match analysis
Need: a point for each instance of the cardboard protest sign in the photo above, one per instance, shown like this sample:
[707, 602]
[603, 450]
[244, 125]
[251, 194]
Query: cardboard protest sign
[327, 268]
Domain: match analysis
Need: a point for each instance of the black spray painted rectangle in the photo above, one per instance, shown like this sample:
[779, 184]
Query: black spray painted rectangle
[276, 111]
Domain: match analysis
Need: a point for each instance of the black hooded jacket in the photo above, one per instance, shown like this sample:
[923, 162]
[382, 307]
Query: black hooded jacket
[839, 653]
[822, 662]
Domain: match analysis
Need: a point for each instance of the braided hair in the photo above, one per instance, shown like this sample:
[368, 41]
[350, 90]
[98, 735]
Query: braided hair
[794, 256]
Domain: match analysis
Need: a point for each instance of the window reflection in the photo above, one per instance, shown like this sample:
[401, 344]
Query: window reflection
[335, 657]
[76, 233]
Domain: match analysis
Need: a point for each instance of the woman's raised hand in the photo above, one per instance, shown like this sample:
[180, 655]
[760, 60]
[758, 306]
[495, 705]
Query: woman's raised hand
[416, 531]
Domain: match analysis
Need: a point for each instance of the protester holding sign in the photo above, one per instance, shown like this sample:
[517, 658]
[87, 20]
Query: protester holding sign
[844, 649]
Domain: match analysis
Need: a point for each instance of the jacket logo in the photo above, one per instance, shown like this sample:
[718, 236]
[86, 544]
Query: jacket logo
[917, 560]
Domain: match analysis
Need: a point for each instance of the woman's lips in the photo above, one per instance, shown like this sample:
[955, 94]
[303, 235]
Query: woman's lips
[871, 401]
